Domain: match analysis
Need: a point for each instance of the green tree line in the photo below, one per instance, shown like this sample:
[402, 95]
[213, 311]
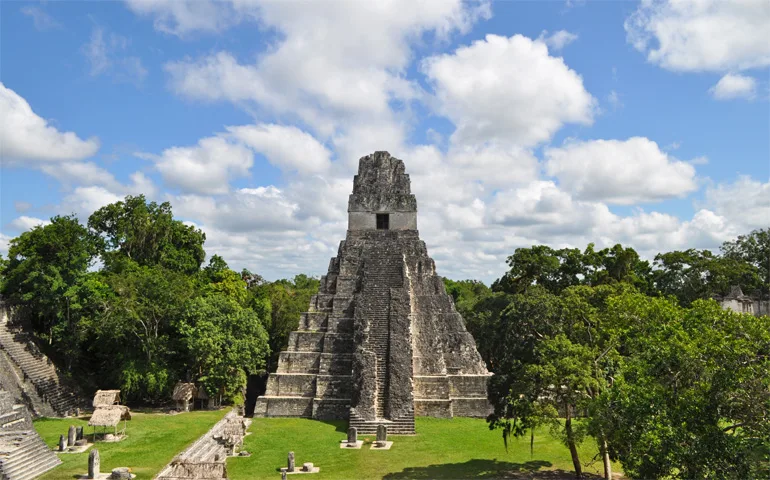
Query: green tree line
[635, 355]
[125, 301]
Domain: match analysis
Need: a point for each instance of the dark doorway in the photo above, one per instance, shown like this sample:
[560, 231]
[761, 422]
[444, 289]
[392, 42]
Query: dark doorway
[383, 221]
[255, 387]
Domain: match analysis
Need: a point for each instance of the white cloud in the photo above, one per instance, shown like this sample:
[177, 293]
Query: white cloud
[558, 40]
[734, 85]
[183, 17]
[702, 35]
[286, 147]
[24, 223]
[338, 63]
[25, 137]
[5, 241]
[508, 90]
[745, 202]
[619, 171]
[81, 173]
[41, 19]
[105, 57]
[205, 168]
[83, 201]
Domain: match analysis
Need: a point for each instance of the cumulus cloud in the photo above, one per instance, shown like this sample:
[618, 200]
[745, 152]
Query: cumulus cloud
[508, 90]
[26, 137]
[286, 147]
[83, 201]
[745, 202]
[183, 17]
[558, 40]
[205, 168]
[619, 171]
[733, 86]
[24, 223]
[338, 62]
[702, 35]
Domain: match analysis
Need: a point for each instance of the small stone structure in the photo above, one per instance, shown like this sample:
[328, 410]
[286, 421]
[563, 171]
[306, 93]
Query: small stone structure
[755, 304]
[79, 433]
[62, 443]
[183, 396]
[290, 462]
[93, 463]
[382, 340]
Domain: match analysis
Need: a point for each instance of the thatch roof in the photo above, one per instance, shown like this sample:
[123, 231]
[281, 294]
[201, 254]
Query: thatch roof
[109, 416]
[105, 398]
[184, 392]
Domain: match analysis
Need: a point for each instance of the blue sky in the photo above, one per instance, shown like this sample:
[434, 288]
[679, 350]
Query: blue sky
[562, 123]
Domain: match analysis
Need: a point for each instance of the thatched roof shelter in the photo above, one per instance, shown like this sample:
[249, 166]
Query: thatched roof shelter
[104, 398]
[109, 416]
[184, 392]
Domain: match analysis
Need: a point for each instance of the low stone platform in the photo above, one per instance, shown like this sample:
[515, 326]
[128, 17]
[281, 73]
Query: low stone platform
[349, 446]
[384, 446]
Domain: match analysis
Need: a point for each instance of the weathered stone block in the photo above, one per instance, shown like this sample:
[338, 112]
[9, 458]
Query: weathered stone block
[291, 385]
[299, 362]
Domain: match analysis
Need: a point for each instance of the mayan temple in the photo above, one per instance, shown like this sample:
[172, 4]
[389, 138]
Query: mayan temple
[381, 341]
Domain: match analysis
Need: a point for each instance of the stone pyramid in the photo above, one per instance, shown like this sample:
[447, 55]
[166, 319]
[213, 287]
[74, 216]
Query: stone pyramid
[381, 341]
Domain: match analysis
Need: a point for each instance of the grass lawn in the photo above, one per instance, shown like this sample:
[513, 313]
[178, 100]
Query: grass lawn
[456, 448]
[153, 440]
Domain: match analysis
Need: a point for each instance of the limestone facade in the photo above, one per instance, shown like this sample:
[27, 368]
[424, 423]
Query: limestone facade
[381, 341]
[739, 302]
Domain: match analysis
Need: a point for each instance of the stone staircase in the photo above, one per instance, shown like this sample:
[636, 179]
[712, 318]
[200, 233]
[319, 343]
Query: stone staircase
[23, 454]
[206, 458]
[384, 271]
[35, 368]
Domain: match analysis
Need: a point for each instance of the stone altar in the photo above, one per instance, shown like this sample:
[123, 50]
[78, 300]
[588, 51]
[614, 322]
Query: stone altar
[381, 341]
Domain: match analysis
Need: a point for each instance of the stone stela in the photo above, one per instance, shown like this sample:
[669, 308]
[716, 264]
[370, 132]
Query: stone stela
[381, 341]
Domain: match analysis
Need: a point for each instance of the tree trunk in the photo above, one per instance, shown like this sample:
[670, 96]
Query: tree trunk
[571, 442]
[605, 457]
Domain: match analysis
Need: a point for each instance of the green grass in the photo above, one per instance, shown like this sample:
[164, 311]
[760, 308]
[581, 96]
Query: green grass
[153, 440]
[456, 448]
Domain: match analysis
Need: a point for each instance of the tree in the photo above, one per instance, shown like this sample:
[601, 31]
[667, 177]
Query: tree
[138, 330]
[692, 399]
[225, 342]
[557, 270]
[147, 234]
[753, 249]
[287, 299]
[699, 274]
[44, 265]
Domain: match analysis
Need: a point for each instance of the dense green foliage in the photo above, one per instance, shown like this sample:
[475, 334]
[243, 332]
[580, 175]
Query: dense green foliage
[150, 316]
[668, 383]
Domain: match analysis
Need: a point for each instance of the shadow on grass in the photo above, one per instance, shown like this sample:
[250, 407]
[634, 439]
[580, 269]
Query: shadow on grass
[339, 425]
[478, 468]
